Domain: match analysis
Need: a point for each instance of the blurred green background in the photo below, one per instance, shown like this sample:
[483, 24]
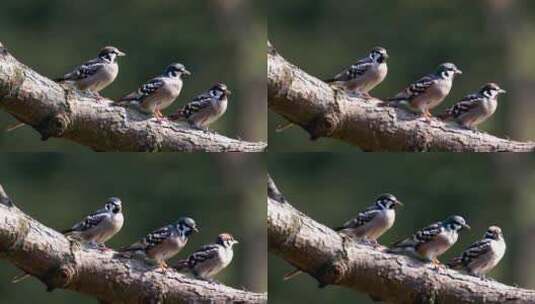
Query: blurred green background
[217, 40]
[222, 192]
[490, 40]
[486, 189]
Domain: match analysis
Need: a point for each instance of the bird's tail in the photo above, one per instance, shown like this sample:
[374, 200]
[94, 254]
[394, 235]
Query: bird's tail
[60, 79]
[455, 263]
[283, 127]
[14, 126]
[446, 115]
[292, 274]
[178, 115]
[20, 277]
[181, 265]
[330, 80]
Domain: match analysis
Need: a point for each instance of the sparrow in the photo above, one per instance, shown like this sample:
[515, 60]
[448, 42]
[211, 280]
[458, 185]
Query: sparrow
[95, 229]
[160, 92]
[429, 91]
[210, 259]
[100, 226]
[474, 109]
[365, 74]
[369, 224]
[432, 241]
[206, 108]
[483, 255]
[96, 74]
[164, 243]
[372, 222]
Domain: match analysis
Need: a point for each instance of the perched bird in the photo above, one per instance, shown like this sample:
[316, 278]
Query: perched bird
[432, 241]
[159, 92]
[429, 91]
[94, 229]
[474, 109]
[96, 74]
[372, 222]
[100, 226]
[164, 243]
[369, 224]
[482, 256]
[365, 74]
[210, 259]
[206, 108]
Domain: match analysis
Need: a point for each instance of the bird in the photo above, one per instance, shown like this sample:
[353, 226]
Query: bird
[365, 74]
[374, 221]
[369, 224]
[429, 91]
[483, 255]
[95, 74]
[100, 226]
[159, 92]
[432, 241]
[210, 259]
[205, 108]
[475, 108]
[95, 229]
[165, 242]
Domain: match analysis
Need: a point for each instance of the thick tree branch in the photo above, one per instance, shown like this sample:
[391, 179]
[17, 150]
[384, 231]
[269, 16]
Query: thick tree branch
[324, 112]
[332, 259]
[61, 263]
[58, 111]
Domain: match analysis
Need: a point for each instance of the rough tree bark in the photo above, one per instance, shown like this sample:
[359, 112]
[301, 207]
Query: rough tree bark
[333, 259]
[61, 263]
[324, 112]
[59, 111]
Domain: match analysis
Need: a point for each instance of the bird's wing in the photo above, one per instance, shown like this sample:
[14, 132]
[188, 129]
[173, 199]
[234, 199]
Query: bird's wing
[88, 222]
[362, 218]
[355, 70]
[83, 71]
[475, 250]
[206, 252]
[145, 90]
[158, 236]
[198, 104]
[465, 105]
[416, 88]
[422, 236]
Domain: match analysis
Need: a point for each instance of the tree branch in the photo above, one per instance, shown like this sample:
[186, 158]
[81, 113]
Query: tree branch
[324, 112]
[332, 259]
[59, 111]
[61, 263]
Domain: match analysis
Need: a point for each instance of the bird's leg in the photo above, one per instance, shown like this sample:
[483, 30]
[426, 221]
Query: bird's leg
[102, 247]
[163, 265]
[159, 116]
[97, 95]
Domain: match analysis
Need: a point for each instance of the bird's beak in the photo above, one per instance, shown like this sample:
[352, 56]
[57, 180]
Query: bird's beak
[121, 54]
[187, 73]
[458, 72]
[236, 242]
[228, 92]
[466, 226]
[195, 229]
[386, 56]
[398, 203]
[502, 91]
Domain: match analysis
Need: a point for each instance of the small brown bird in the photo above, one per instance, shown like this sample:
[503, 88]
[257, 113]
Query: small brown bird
[476, 108]
[209, 260]
[429, 91]
[365, 74]
[482, 256]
